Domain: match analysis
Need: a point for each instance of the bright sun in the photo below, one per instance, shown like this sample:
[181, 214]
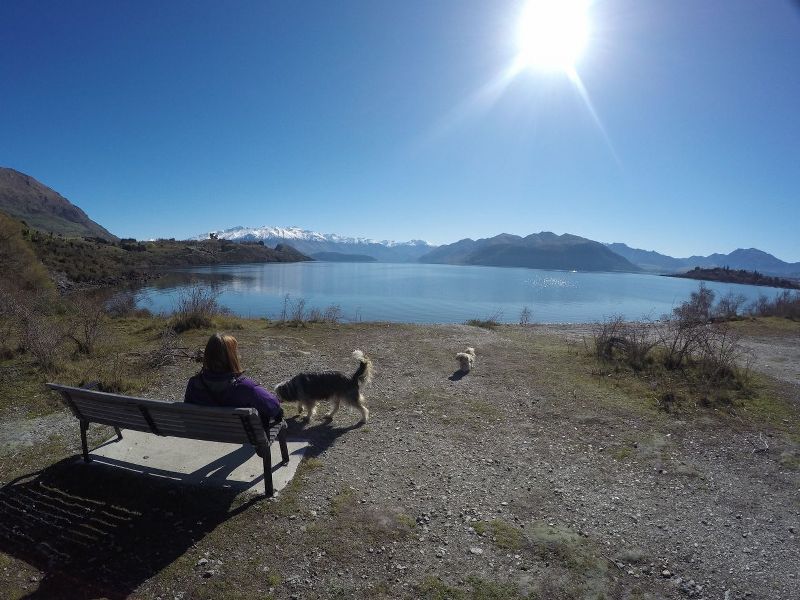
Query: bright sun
[553, 34]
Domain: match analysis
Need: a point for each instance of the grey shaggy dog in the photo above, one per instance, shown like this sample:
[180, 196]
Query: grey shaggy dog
[309, 388]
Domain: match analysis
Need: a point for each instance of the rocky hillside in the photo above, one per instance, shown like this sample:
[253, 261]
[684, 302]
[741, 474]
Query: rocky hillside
[538, 251]
[28, 200]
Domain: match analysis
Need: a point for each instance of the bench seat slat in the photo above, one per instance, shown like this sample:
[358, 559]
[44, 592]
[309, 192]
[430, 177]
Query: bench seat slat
[229, 428]
[112, 400]
[188, 429]
[168, 416]
[124, 419]
[116, 422]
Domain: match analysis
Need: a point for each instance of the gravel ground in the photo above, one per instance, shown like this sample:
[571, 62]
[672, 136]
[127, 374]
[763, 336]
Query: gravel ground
[524, 473]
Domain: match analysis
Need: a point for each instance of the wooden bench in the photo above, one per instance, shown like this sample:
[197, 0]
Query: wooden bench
[176, 419]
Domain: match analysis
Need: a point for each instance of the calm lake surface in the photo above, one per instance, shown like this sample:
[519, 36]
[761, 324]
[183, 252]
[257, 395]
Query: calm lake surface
[417, 293]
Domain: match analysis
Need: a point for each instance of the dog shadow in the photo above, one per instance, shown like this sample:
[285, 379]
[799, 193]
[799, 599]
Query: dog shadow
[102, 532]
[457, 375]
[320, 434]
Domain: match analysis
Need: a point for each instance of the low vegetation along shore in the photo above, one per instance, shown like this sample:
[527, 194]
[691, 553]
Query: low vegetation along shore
[614, 460]
[726, 275]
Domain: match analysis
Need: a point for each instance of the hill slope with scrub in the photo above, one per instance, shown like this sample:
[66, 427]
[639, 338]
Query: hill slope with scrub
[28, 200]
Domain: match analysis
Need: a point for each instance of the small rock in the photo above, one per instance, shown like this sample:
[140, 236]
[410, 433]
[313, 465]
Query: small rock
[209, 573]
[201, 562]
[666, 573]
[477, 551]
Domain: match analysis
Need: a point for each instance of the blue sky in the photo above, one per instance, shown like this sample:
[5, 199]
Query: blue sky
[371, 118]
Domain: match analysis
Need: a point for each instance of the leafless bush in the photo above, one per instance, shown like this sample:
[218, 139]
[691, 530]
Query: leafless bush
[195, 308]
[678, 339]
[42, 339]
[721, 354]
[760, 307]
[27, 317]
[785, 304]
[489, 322]
[124, 304]
[314, 315]
[525, 316]
[9, 320]
[164, 354]
[285, 312]
[698, 308]
[86, 322]
[333, 314]
[729, 306]
[605, 335]
[706, 358]
[121, 304]
[630, 342]
[298, 312]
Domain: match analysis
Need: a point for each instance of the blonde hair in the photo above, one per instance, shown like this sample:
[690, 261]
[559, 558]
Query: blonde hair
[222, 355]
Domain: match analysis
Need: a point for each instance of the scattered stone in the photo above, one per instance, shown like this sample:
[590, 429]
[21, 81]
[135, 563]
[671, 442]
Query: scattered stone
[477, 551]
[666, 573]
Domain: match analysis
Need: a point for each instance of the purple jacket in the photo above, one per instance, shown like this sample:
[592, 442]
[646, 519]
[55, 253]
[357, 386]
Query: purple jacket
[226, 389]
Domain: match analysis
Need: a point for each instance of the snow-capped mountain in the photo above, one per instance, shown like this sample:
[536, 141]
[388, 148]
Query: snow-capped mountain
[311, 242]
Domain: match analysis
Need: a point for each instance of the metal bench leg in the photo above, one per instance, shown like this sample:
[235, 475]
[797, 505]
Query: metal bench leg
[269, 489]
[119, 433]
[283, 446]
[84, 443]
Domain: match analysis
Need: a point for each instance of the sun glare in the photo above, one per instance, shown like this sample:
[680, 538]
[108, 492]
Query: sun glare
[553, 34]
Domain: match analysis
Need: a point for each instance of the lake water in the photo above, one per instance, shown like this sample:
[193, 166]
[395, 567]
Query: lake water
[418, 293]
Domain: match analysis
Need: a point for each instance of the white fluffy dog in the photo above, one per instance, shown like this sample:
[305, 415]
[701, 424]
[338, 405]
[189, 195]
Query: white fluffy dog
[466, 359]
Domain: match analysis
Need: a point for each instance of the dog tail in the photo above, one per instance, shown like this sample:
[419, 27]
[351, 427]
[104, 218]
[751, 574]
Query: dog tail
[364, 372]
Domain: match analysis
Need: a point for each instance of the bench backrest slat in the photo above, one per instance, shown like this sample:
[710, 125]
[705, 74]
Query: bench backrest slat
[178, 419]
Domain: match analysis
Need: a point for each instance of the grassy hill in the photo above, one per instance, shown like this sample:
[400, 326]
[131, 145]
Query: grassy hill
[28, 200]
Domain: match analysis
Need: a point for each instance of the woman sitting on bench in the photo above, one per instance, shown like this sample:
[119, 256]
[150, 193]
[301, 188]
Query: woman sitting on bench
[220, 382]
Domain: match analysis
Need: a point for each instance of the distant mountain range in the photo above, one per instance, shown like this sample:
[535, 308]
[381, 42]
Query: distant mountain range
[750, 259]
[544, 250]
[26, 199]
[311, 242]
